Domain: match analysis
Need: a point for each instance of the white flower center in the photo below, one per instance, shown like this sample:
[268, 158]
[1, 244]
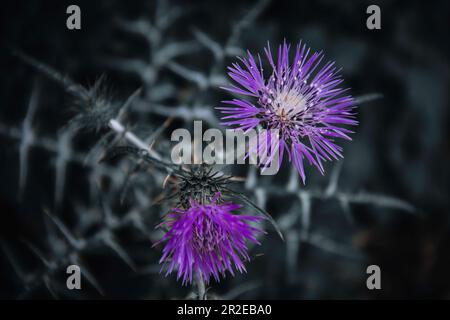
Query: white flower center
[288, 103]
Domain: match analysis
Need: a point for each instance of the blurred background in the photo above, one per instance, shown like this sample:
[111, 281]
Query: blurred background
[386, 203]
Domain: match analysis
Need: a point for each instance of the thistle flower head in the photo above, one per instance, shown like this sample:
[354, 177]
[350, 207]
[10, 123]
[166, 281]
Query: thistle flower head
[207, 239]
[302, 100]
[95, 106]
[200, 183]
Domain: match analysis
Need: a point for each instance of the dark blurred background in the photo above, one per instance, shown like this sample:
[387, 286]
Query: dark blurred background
[386, 203]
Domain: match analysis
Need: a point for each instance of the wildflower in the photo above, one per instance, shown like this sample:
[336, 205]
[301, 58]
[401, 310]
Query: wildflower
[302, 100]
[207, 239]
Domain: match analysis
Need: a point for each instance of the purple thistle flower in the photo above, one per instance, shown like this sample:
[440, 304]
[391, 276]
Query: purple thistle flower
[302, 100]
[207, 238]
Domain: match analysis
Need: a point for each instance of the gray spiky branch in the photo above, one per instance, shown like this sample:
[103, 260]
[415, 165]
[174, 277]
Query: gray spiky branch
[104, 235]
[64, 154]
[161, 52]
[198, 108]
[75, 246]
[288, 222]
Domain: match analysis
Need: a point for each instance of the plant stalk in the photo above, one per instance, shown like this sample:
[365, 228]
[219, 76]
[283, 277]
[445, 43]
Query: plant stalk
[200, 286]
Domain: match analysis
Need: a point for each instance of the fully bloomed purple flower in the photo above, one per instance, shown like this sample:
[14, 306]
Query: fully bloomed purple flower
[207, 239]
[302, 100]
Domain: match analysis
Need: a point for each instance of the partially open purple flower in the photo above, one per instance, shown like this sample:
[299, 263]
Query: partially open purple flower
[302, 100]
[207, 239]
